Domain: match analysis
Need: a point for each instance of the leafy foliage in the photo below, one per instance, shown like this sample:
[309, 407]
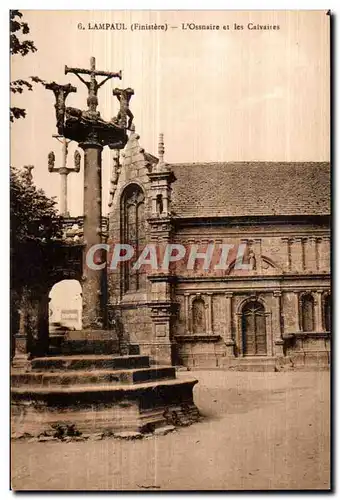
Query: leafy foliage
[34, 228]
[19, 28]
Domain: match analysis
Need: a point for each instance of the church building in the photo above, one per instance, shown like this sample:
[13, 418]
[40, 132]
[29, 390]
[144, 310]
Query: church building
[276, 315]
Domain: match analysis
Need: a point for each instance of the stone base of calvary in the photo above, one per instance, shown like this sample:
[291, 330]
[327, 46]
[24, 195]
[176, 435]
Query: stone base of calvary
[93, 381]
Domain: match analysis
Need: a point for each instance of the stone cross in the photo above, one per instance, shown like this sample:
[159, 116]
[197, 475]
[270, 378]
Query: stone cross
[60, 92]
[92, 85]
[64, 171]
[92, 133]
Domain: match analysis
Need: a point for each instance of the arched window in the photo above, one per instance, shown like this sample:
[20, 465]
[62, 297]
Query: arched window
[198, 316]
[327, 305]
[133, 233]
[254, 336]
[307, 313]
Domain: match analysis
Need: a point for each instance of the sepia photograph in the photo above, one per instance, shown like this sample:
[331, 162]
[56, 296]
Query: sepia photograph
[170, 250]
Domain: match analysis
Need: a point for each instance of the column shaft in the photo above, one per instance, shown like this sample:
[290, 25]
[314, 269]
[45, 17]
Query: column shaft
[63, 194]
[278, 341]
[297, 255]
[209, 319]
[318, 311]
[93, 279]
[228, 333]
[297, 312]
[186, 312]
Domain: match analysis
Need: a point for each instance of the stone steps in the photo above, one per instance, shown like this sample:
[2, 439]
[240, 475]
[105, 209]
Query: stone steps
[59, 345]
[107, 389]
[99, 377]
[89, 362]
[107, 409]
[93, 393]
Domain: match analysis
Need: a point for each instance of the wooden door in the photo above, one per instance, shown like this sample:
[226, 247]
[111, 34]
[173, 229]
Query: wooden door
[254, 336]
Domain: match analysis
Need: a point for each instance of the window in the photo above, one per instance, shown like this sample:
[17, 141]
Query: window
[133, 233]
[307, 313]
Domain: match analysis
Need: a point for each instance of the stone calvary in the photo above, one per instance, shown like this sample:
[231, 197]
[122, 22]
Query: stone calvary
[94, 380]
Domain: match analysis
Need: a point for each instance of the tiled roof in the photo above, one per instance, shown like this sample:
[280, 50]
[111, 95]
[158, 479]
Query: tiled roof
[251, 189]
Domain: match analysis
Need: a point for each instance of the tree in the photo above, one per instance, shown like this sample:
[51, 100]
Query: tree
[35, 226]
[34, 233]
[19, 28]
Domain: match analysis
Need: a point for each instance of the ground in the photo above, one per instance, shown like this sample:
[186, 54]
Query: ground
[259, 431]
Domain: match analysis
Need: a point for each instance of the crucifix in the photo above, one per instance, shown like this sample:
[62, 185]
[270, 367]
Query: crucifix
[92, 85]
[61, 93]
[64, 171]
[92, 133]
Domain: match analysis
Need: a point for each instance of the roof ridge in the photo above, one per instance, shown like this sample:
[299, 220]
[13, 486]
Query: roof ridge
[252, 162]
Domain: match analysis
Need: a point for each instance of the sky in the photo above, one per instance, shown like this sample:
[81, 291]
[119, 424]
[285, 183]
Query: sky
[227, 95]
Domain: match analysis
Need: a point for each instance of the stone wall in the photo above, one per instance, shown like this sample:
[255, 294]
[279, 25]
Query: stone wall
[290, 259]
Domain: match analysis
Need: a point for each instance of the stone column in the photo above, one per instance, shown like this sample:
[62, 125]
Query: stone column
[310, 254]
[186, 312]
[43, 326]
[297, 255]
[318, 311]
[256, 246]
[166, 204]
[325, 254]
[162, 346]
[63, 193]
[209, 315]
[228, 333]
[154, 205]
[21, 350]
[297, 311]
[286, 242]
[92, 279]
[276, 318]
[24, 336]
[163, 306]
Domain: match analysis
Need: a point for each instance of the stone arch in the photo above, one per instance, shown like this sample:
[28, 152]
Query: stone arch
[252, 298]
[65, 305]
[271, 263]
[259, 266]
[198, 315]
[127, 185]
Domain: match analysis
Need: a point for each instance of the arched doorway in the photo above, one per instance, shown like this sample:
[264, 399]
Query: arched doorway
[65, 307]
[254, 335]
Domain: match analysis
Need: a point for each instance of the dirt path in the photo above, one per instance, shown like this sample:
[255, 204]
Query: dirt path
[261, 431]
